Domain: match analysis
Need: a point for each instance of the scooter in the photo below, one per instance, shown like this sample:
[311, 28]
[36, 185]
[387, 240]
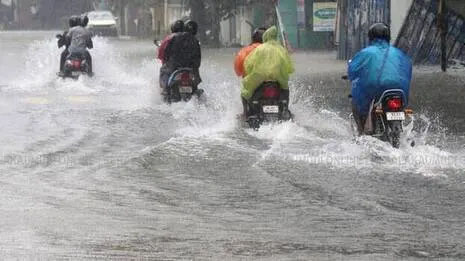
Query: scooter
[181, 86]
[269, 103]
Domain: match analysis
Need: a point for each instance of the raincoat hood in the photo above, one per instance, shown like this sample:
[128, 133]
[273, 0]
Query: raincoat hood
[377, 68]
[271, 34]
[268, 62]
[379, 42]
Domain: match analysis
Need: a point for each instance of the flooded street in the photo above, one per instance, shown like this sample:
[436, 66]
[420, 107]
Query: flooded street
[101, 168]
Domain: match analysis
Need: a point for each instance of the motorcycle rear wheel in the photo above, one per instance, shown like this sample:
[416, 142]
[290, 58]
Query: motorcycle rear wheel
[395, 130]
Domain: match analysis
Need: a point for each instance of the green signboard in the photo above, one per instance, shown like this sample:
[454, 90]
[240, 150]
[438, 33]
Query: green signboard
[324, 16]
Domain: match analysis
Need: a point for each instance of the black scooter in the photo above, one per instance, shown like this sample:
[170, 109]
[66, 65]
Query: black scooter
[269, 103]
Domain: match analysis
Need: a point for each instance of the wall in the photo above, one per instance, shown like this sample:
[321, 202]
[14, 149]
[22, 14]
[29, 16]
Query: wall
[288, 11]
[308, 38]
[24, 19]
[399, 11]
[420, 35]
[457, 5]
[356, 18]
[158, 20]
[303, 36]
[238, 29]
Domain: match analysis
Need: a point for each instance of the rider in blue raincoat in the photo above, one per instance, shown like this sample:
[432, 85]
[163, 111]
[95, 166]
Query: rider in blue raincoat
[375, 69]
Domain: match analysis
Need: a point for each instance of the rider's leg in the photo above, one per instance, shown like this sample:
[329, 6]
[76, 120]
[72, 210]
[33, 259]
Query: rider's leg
[64, 54]
[163, 80]
[245, 107]
[198, 79]
[284, 95]
[359, 120]
[89, 61]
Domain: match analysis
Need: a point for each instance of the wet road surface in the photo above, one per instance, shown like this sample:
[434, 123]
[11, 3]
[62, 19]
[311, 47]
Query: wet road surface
[101, 169]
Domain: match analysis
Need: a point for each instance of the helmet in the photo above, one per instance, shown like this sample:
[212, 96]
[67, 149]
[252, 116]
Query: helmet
[84, 20]
[379, 31]
[177, 26]
[74, 21]
[192, 27]
[257, 35]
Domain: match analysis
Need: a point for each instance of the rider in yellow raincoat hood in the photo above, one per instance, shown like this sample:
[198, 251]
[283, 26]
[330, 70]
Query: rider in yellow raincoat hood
[268, 62]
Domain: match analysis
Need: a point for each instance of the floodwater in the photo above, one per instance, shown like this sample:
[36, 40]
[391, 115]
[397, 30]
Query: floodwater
[101, 169]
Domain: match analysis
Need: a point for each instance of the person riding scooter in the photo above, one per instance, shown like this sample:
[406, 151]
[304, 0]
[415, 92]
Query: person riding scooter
[257, 40]
[268, 62]
[176, 28]
[192, 28]
[63, 41]
[375, 69]
[84, 23]
[80, 39]
[183, 51]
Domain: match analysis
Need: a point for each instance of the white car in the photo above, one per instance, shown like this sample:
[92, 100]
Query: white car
[102, 23]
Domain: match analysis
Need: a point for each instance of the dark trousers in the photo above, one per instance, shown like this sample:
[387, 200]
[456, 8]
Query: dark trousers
[64, 54]
[198, 79]
[245, 105]
[360, 120]
[89, 60]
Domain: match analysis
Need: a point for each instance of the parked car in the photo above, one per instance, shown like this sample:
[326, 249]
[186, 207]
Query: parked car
[102, 23]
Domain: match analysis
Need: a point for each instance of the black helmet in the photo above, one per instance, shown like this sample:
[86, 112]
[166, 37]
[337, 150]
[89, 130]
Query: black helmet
[257, 35]
[177, 26]
[84, 21]
[379, 31]
[74, 21]
[192, 27]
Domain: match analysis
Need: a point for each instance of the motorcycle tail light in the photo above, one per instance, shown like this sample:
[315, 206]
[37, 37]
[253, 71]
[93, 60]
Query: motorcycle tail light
[270, 92]
[394, 104]
[76, 64]
[185, 78]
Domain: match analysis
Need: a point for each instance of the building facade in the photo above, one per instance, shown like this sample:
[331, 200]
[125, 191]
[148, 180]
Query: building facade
[308, 23]
[237, 29]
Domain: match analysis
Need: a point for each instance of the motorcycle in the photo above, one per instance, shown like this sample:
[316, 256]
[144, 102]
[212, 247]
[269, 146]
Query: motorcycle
[75, 65]
[181, 86]
[388, 114]
[268, 104]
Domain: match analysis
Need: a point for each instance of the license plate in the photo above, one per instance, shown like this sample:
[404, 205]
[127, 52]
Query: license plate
[271, 109]
[75, 73]
[395, 116]
[185, 89]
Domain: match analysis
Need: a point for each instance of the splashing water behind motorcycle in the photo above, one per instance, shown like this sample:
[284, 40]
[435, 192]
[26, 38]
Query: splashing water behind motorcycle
[102, 167]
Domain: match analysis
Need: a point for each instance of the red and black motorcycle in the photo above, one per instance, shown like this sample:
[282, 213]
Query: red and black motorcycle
[75, 66]
[269, 103]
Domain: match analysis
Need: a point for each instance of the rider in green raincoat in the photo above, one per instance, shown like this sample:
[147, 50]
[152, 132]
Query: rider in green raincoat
[268, 62]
